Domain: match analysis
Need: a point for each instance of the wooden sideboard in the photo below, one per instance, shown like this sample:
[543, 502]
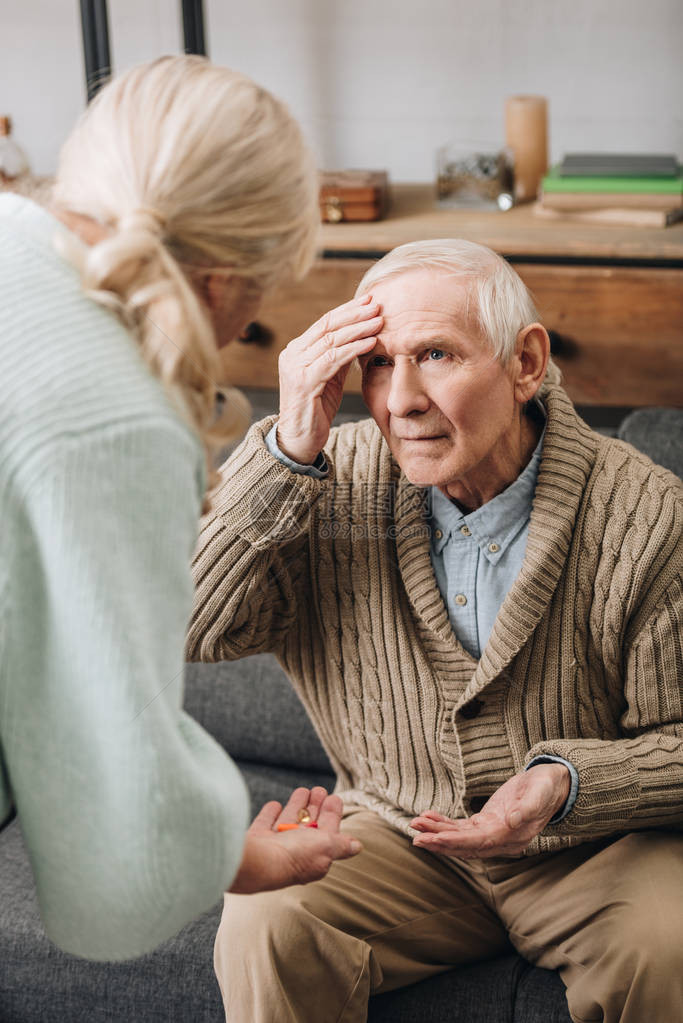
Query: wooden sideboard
[611, 296]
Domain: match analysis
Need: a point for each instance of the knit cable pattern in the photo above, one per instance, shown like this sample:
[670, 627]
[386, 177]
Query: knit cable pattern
[584, 660]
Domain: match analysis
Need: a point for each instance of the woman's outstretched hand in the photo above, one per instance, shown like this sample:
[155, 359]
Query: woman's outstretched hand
[313, 369]
[275, 859]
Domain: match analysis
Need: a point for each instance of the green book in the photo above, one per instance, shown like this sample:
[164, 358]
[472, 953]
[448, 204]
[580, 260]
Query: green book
[554, 182]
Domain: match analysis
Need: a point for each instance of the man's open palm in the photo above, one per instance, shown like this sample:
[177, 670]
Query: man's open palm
[517, 812]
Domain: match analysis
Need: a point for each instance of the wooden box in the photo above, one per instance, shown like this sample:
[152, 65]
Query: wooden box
[353, 195]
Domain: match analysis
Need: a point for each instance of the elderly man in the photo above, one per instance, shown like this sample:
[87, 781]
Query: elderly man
[479, 601]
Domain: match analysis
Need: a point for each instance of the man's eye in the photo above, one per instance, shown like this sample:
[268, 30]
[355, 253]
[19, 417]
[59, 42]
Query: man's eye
[377, 360]
[435, 354]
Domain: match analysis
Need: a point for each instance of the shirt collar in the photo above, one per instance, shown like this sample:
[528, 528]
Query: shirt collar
[494, 526]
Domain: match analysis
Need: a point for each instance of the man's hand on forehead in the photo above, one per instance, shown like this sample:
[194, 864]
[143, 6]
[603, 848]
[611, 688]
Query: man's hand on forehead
[313, 369]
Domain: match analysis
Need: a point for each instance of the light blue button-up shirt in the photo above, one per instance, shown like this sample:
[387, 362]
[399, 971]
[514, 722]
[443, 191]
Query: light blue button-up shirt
[477, 556]
[476, 559]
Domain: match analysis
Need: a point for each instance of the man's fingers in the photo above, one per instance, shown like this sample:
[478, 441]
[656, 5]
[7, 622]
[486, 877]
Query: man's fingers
[335, 339]
[467, 836]
[425, 823]
[312, 378]
[469, 850]
[354, 311]
[332, 361]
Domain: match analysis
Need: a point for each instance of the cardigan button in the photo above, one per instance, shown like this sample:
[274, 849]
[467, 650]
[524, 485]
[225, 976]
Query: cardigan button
[477, 803]
[472, 709]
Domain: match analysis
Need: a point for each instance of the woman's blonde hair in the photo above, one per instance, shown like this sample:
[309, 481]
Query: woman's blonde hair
[194, 168]
[501, 303]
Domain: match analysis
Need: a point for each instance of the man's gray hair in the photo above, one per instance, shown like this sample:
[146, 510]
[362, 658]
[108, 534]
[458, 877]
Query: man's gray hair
[500, 300]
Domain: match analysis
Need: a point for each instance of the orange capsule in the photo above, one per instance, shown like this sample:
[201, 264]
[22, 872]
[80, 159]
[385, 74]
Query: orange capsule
[287, 827]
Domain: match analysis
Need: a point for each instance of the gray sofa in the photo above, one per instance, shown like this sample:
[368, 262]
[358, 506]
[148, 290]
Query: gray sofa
[251, 709]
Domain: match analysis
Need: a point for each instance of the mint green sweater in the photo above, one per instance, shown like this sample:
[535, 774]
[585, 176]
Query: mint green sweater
[133, 816]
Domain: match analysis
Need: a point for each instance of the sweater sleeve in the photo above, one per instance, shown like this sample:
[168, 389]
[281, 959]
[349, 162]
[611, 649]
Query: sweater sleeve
[635, 782]
[133, 816]
[251, 561]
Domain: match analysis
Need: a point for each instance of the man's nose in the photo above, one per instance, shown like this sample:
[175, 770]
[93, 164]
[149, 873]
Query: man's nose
[406, 393]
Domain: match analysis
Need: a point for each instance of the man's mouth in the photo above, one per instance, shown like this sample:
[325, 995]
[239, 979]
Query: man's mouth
[422, 437]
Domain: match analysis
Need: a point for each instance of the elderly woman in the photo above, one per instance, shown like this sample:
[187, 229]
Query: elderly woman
[479, 600]
[184, 192]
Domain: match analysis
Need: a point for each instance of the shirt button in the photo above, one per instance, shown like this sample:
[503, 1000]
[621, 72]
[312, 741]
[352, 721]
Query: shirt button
[438, 534]
[494, 548]
[461, 599]
[466, 531]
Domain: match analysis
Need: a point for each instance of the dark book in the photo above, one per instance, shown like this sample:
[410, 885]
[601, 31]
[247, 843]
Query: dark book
[624, 165]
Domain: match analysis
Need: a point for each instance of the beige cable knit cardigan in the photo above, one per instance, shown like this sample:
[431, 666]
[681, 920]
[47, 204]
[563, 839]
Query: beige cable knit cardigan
[585, 659]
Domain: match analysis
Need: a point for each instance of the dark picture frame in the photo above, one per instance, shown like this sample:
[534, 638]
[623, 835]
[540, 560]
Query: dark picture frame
[95, 31]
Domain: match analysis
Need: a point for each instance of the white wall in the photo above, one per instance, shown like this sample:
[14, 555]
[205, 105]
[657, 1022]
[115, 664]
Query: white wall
[382, 83]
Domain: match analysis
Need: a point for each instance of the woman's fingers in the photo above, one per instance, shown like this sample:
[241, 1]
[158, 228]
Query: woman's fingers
[304, 807]
[344, 846]
[267, 815]
[316, 801]
[329, 816]
[297, 802]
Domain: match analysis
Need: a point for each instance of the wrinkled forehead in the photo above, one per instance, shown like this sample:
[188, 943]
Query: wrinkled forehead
[421, 304]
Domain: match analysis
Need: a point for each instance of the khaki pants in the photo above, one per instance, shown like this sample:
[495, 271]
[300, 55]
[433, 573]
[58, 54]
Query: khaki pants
[607, 915]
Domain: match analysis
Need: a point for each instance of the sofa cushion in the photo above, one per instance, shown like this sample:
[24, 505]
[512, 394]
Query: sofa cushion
[505, 990]
[41, 984]
[176, 982]
[658, 433]
[479, 993]
[265, 782]
[223, 698]
[541, 995]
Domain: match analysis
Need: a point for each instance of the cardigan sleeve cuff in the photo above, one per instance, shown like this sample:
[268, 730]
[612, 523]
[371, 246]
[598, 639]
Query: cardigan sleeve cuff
[260, 498]
[574, 787]
[319, 469]
[609, 790]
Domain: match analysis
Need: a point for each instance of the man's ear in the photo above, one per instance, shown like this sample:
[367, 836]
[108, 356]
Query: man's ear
[532, 351]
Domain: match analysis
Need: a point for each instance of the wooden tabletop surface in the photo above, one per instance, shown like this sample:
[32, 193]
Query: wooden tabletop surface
[414, 215]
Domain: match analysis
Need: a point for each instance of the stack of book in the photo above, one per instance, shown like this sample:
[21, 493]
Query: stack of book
[614, 188]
